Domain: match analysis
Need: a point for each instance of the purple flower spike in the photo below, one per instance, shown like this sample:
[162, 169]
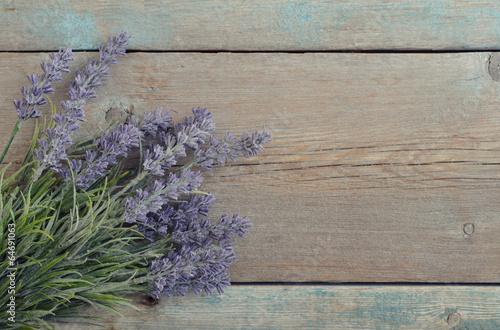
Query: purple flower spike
[81, 89]
[200, 267]
[196, 129]
[229, 226]
[152, 199]
[33, 95]
[202, 252]
[159, 119]
[116, 46]
[249, 145]
[161, 157]
[110, 146]
[221, 152]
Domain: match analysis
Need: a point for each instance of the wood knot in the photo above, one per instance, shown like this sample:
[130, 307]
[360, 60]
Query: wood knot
[148, 301]
[454, 319]
[469, 228]
[494, 66]
[115, 114]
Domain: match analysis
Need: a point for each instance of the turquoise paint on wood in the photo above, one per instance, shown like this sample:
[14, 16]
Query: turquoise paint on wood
[319, 307]
[67, 27]
[51, 20]
[253, 24]
[299, 23]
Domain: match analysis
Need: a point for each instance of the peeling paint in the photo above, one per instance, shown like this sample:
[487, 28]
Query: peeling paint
[477, 325]
[299, 22]
[392, 308]
[76, 30]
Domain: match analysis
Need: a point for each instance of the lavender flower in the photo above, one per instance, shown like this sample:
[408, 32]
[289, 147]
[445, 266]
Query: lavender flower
[221, 152]
[154, 198]
[183, 184]
[33, 95]
[156, 159]
[196, 129]
[197, 267]
[218, 151]
[175, 268]
[57, 145]
[229, 226]
[186, 224]
[248, 145]
[203, 252]
[162, 156]
[82, 88]
[164, 206]
[111, 145]
[145, 201]
[52, 152]
[153, 121]
[116, 46]
[191, 134]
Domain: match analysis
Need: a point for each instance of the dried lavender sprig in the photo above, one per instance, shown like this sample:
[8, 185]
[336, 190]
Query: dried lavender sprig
[51, 152]
[111, 145]
[185, 224]
[169, 269]
[82, 88]
[248, 145]
[191, 134]
[200, 267]
[160, 157]
[217, 151]
[197, 263]
[154, 198]
[230, 226]
[221, 151]
[156, 121]
[33, 95]
[200, 123]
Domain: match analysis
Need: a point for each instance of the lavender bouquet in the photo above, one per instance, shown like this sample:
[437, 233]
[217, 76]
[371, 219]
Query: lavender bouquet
[79, 230]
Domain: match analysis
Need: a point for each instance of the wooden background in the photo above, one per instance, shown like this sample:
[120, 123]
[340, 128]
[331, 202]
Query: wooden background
[377, 203]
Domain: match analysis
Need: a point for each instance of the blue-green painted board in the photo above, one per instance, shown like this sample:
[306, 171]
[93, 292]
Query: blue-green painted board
[319, 307]
[252, 24]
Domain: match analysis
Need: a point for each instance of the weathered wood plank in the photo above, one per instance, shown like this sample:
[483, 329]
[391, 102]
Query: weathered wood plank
[252, 24]
[322, 307]
[378, 161]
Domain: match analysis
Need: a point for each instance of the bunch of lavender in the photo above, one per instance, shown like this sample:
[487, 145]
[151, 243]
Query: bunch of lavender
[86, 230]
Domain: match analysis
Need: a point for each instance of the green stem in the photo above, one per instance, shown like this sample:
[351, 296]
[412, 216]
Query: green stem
[199, 192]
[14, 132]
[185, 166]
[38, 172]
[134, 182]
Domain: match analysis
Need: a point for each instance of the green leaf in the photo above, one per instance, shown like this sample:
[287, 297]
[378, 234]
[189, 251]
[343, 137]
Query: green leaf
[50, 265]
[110, 287]
[42, 232]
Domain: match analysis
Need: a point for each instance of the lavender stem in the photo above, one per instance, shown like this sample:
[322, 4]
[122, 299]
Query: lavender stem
[14, 132]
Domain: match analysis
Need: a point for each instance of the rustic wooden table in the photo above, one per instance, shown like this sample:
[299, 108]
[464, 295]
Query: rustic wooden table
[376, 205]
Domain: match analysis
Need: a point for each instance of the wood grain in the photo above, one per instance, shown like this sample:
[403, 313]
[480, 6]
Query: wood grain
[377, 164]
[252, 24]
[317, 307]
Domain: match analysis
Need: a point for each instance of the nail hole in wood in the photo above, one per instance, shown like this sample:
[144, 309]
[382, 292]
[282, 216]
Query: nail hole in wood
[468, 228]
